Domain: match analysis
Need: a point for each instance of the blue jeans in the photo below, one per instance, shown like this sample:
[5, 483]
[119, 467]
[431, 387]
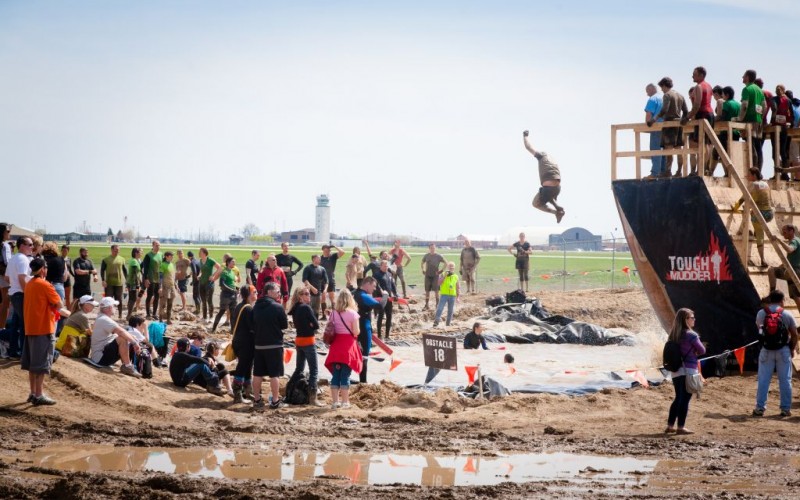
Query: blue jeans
[658, 161]
[307, 353]
[450, 300]
[779, 360]
[341, 375]
[209, 377]
[680, 405]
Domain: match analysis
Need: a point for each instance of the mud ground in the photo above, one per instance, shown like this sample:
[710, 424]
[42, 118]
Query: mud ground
[731, 455]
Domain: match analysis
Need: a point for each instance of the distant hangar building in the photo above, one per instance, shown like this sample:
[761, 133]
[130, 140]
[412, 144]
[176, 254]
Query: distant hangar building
[577, 238]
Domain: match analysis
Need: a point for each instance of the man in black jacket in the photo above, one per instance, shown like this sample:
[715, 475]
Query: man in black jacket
[269, 321]
[185, 369]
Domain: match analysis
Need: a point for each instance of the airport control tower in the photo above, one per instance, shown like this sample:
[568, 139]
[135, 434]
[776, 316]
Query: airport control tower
[322, 227]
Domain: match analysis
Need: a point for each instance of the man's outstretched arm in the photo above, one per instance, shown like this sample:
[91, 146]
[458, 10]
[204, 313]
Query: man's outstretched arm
[527, 143]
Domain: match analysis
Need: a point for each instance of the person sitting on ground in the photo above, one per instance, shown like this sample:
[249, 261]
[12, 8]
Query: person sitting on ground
[212, 351]
[110, 341]
[77, 326]
[550, 178]
[145, 358]
[185, 368]
[306, 324]
[475, 339]
[198, 341]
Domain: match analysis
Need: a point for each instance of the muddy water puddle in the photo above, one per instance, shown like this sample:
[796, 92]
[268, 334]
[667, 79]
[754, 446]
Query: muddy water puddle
[375, 469]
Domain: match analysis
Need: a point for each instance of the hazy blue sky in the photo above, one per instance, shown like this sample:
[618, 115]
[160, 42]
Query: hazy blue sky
[197, 115]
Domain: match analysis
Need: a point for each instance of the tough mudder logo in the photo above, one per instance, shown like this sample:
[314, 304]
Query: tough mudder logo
[707, 266]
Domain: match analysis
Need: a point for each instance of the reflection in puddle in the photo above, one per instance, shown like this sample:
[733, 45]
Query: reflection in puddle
[426, 470]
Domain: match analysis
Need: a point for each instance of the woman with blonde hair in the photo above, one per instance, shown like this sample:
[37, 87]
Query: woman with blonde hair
[344, 354]
[689, 341]
[306, 324]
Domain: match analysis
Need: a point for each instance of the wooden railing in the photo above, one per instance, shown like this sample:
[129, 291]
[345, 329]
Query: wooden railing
[708, 135]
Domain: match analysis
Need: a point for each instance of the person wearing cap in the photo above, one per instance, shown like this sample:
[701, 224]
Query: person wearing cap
[42, 303]
[185, 368]
[150, 267]
[84, 272]
[77, 326]
[17, 273]
[328, 262]
[110, 341]
[167, 287]
[269, 321]
[114, 275]
[449, 292]
[182, 270]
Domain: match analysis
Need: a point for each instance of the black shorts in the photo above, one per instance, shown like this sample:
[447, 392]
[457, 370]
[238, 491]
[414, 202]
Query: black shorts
[110, 354]
[548, 194]
[331, 284]
[709, 117]
[182, 285]
[523, 264]
[268, 363]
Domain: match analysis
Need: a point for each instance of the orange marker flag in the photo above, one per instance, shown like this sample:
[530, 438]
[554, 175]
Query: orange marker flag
[585, 273]
[626, 269]
[395, 363]
[471, 373]
[511, 370]
[739, 353]
[287, 355]
[545, 276]
[571, 372]
[506, 280]
[470, 466]
[639, 377]
[699, 366]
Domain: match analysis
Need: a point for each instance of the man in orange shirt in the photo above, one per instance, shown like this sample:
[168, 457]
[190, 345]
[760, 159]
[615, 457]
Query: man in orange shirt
[41, 304]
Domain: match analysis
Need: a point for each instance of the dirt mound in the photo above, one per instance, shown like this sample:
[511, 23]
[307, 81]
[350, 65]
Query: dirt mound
[374, 396]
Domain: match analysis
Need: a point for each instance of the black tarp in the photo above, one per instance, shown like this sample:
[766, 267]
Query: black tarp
[680, 232]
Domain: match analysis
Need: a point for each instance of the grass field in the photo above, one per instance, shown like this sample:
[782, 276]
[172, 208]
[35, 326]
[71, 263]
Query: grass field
[496, 272]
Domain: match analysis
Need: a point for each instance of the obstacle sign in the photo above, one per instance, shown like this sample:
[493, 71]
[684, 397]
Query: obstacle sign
[440, 352]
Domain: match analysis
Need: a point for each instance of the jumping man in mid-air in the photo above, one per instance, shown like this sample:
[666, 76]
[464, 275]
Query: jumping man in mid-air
[550, 177]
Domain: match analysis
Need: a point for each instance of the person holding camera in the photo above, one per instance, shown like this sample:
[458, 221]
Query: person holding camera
[449, 292]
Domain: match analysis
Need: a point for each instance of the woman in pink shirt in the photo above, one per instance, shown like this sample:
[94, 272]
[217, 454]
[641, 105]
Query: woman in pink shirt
[344, 354]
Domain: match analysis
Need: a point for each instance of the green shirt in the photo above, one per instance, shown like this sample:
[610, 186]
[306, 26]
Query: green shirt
[730, 110]
[167, 272]
[153, 266]
[794, 256]
[755, 103]
[207, 270]
[114, 270]
[228, 278]
[134, 273]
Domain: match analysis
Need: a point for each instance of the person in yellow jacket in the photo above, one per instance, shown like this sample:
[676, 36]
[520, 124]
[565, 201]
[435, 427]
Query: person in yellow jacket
[77, 325]
[449, 292]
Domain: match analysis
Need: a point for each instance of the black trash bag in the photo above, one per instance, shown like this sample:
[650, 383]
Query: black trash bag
[495, 300]
[491, 389]
[516, 297]
[717, 367]
[557, 319]
[537, 310]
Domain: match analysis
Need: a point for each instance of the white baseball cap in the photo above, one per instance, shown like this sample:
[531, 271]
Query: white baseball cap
[108, 302]
[88, 299]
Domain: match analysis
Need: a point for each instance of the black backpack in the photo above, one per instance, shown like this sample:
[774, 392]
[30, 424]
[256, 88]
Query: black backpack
[495, 300]
[516, 297]
[143, 362]
[672, 357]
[297, 391]
[774, 333]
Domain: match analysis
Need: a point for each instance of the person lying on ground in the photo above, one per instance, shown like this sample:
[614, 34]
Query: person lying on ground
[185, 369]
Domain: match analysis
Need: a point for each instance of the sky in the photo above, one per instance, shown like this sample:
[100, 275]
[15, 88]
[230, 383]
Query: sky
[204, 116]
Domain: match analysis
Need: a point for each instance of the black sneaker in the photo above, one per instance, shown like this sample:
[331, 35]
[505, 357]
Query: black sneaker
[259, 404]
[786, 413]
[43, 401]
[758, 412]
[31, 398]
[277, 404]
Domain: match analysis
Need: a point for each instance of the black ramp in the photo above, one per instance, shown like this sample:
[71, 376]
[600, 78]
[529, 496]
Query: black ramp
[680, 232]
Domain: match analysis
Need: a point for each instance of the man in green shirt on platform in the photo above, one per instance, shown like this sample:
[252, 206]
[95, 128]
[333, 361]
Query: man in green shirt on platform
[114, 274]
[752, 107]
